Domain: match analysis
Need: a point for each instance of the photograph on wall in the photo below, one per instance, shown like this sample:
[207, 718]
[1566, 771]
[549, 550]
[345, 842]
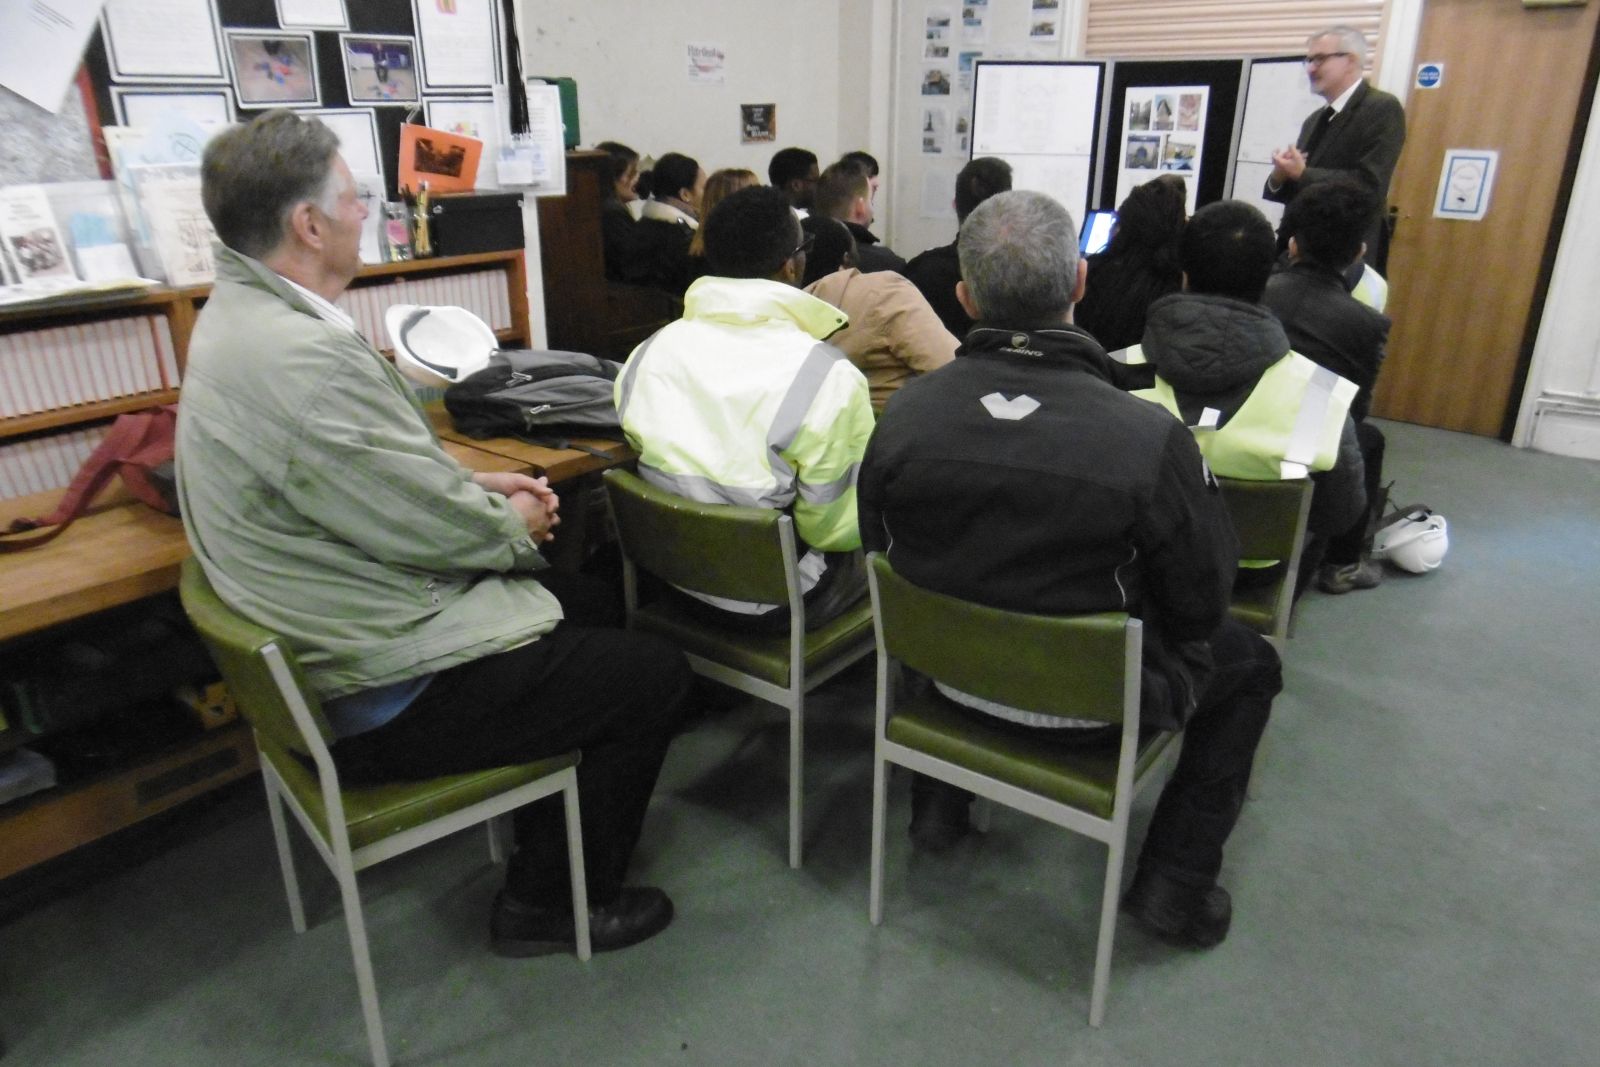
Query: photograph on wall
[145, 104]
[1044, 29]
[379, 69]
[974, 26]
[273, 68]
[758, 123]
[964, 62]
[1189, 111]
[163, 41]
[469, 116]
[1179, 154]
[1163, 112]
[935, 81]
[935, 129]
[937, 26]
[936, 50]
[1143, 152]
[313, 15]
[1138, 114]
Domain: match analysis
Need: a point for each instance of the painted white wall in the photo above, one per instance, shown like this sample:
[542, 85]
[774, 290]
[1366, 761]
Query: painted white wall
[630, 63]
[1561, 404]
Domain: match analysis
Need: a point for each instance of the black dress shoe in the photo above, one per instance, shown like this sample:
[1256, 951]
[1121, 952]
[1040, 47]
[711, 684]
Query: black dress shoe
[1186, 915]
[518, 930]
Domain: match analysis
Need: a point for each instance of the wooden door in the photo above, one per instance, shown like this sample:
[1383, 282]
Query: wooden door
[1462, 292]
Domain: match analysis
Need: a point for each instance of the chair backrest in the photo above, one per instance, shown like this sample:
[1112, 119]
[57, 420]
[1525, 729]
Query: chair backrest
[1269, 517]
[237, 645]
[1081, 666]
[719, 549]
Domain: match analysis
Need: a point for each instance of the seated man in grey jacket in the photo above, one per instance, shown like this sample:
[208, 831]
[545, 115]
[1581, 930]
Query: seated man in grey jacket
[413, 591]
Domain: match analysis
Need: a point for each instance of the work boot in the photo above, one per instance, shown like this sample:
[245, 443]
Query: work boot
[517, 929]
[1339, 578]
[1186, 915]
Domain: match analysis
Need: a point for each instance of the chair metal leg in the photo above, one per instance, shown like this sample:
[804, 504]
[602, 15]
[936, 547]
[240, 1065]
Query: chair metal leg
[280, 834]
[880, 797]
[1108, 926]
[497, 839]
[580, 886]
[796, 760]
[362, 956]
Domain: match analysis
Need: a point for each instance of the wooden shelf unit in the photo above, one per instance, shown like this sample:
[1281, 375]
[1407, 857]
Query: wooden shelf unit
[122, 551]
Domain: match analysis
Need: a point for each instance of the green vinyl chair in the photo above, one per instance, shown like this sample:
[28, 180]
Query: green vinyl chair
[1083, 667]
[744, 554]
[1270, 519]
[355, 828]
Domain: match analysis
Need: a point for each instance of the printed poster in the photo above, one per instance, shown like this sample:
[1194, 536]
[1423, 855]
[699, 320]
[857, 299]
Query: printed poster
[1163, 132]
[707, 64]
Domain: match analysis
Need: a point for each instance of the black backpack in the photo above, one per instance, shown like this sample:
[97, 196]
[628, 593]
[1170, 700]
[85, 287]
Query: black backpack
[538, 396]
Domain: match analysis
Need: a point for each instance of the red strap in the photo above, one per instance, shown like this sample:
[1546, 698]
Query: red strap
[141, 438]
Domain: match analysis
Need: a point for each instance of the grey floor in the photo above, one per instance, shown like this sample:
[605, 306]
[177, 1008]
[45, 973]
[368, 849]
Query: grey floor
[1416, 882]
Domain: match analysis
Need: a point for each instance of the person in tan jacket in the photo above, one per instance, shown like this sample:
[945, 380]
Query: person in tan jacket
[893, 332]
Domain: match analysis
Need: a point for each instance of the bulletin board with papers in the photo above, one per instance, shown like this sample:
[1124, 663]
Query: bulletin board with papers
[1173, 116]
[1044, 119]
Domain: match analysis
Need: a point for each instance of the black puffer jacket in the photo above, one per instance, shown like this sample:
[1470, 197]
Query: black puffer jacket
[1213, 350]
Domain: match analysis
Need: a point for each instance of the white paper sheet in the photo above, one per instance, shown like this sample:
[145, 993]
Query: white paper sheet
[170, 196]
[357, 131]
[144, 105]
[538, 159]
[1048, 110]
[471, 117]
[163, 40]
[1465, 182]
[457, 42]
[1275, 105]
[41, 45]
[1066, 178]
[313, 15]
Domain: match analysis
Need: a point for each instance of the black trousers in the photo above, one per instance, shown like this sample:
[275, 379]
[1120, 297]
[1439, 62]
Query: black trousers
[1202, 801]
[1348, 546]
[614, 695]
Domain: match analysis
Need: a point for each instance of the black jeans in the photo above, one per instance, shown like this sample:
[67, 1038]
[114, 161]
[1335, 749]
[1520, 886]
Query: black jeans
[614, 695]
[1348, 546]
[1200, 805]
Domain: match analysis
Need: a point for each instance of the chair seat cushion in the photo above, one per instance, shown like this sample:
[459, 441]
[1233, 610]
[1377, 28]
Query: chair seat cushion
[373, 813]
[761, 656]
[1081, 778]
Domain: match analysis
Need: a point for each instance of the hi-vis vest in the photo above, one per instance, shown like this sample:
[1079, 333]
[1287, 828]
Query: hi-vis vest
[1287, 427]
[1371, 290]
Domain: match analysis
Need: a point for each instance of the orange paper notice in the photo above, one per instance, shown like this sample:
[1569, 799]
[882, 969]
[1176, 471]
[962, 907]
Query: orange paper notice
[448, 162]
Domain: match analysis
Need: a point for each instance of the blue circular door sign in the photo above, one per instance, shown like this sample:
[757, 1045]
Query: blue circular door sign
[1429, 75]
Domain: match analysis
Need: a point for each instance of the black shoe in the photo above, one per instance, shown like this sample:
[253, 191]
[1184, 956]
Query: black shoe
[517, 929]
[939, 814]
[1191, 916]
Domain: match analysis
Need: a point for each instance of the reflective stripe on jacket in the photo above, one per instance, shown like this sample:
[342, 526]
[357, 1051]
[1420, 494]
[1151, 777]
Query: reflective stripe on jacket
[1287, 427]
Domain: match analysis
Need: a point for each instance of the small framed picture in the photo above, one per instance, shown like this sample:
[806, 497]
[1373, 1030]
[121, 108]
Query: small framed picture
[143, 105]
[273, 68]
[379, 69]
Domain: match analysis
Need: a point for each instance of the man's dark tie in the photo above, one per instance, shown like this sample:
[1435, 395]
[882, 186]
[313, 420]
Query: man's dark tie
[1323, 121]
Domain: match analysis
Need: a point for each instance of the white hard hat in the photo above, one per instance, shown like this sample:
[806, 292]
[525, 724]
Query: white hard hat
[438, 346]
[1414, 540]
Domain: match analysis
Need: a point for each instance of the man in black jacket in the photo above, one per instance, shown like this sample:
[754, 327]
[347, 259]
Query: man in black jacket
[845, 193]
[1359, 134]
[1022, 478]
[1335, 330]
[937, 270]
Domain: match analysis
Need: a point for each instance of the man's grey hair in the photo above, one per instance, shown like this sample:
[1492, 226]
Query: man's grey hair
[1351, 40]
[1019, 258]
[253, 175]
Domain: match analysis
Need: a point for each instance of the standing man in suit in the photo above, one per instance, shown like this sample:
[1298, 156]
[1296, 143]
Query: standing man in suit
[1358, 135]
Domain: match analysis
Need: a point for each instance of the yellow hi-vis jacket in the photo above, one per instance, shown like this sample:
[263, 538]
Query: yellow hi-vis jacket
[742, 402]
[1287, 427]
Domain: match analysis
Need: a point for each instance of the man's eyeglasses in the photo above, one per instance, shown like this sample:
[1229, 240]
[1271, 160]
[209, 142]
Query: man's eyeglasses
[1320, 58]
[805, 246]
